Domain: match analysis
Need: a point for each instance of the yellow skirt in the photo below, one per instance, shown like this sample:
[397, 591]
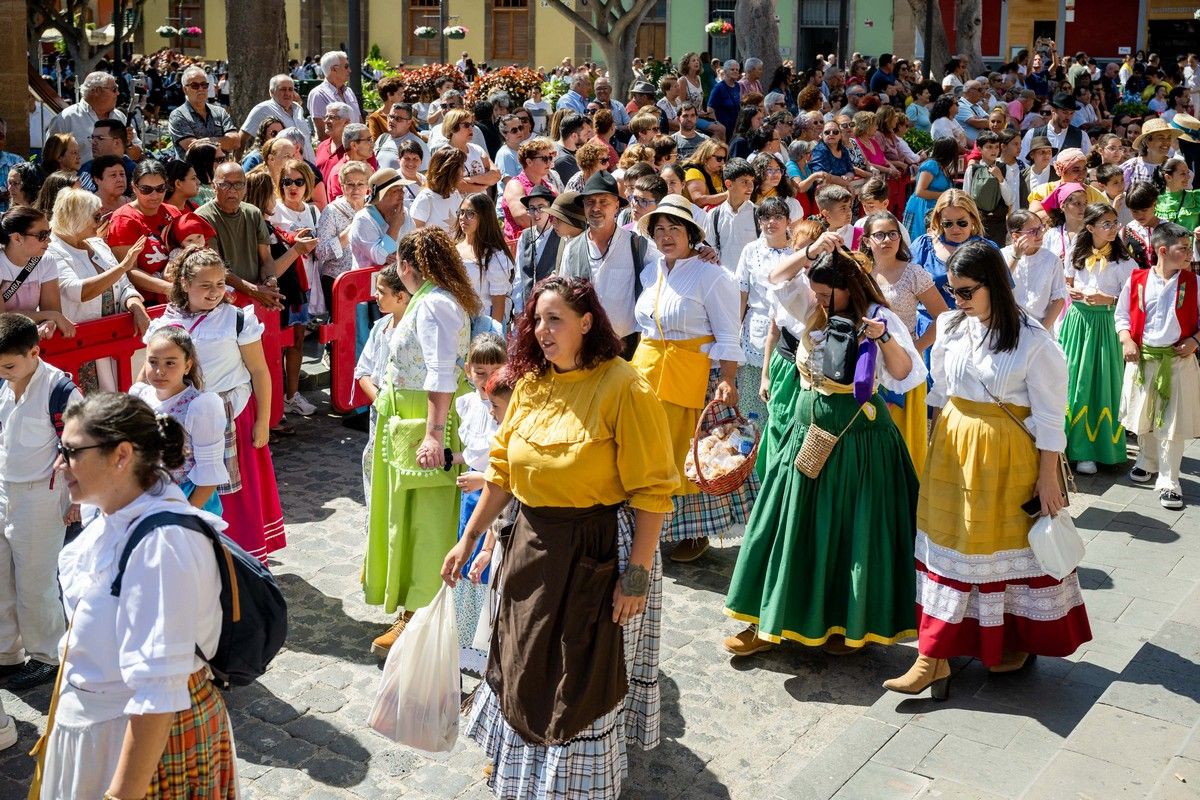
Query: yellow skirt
[913, 422]
[981, 467]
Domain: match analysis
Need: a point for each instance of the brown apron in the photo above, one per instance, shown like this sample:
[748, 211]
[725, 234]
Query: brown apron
[557, 660]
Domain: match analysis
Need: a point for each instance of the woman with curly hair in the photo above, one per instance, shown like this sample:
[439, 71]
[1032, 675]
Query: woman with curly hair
[572, 677]
[592, 157]
[413, 508]
[268, 129]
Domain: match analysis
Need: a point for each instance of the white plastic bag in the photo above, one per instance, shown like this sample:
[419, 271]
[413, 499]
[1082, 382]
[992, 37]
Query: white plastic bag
[491, 604]
[1056, 544]
[418, 700]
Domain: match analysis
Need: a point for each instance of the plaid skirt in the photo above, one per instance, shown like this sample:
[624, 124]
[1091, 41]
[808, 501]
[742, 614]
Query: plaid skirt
[198, 760]
[592, 765]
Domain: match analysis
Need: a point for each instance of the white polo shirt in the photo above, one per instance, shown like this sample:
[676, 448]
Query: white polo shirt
[28, 443]
[729, 231]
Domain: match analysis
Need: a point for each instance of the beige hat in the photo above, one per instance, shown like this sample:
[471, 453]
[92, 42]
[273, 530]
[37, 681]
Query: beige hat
[1188, 127]
[673, 205]
[384, 180]
[1154, 126]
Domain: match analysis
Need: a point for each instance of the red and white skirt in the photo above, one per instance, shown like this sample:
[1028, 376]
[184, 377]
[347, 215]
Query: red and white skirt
[253, 511]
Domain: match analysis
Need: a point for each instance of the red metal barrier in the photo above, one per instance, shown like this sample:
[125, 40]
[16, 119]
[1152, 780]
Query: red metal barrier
[115, 337]
[349, 289]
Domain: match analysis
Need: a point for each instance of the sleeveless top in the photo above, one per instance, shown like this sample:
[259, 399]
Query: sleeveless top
[511, 231]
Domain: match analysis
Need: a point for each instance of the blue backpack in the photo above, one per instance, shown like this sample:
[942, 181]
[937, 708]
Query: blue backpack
[253, 611]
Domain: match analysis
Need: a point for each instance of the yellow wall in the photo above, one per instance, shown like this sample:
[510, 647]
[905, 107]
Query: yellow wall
[156, 12]
[554, 38]
[386, 29]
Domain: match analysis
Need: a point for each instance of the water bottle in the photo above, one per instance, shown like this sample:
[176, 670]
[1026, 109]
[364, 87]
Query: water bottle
[745, 447]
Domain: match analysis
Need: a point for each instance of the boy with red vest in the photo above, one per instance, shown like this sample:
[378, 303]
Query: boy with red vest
[1158, 323]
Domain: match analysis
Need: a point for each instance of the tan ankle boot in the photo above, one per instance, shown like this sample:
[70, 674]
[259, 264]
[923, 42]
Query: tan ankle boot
[383, 643]
[926, 673]
[1012, 661]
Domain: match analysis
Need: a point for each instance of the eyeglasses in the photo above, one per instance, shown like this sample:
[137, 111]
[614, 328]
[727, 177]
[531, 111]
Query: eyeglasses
[41, 236]
[846, 126]
[773, 171]
[1038, 231]
[956, 223]
[393, 118]
[462, 126]
[543, 158]
[643, 202]
[197, 85]
[286, 182]
[879, 237]
[537, 211]
[98, 217]
[720, 158]
[466, 213]
[965, 292]
[69, 453]
[156, 189]
[1107, 225]
[517, 129]
[226, 186]
[354, 185]
[831, 133]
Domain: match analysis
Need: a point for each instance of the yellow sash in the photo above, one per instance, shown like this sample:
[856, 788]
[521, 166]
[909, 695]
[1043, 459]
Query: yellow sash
[676, 370]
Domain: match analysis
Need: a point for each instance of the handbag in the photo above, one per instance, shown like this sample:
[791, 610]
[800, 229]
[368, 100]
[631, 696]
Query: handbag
[418, 700]
[1056, 544]
[39, 748]
[818, 444]
[841, 350]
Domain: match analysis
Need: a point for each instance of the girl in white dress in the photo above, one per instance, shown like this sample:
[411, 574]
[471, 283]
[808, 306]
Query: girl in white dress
[480, 243]
[175, 386]
[1038, 283]
[437, 204]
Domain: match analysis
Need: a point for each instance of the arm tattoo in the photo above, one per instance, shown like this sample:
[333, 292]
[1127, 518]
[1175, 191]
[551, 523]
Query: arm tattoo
[635, 582]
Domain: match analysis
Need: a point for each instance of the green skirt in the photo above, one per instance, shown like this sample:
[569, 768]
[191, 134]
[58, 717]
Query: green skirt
[1095, 371]
[781, 407]
[832, 555]
[409, 530]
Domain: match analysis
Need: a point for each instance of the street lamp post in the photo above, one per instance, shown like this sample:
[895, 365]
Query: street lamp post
[354, 49]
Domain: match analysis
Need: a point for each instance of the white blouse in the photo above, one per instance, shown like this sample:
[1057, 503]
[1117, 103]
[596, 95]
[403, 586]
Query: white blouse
[204, 422]
[1037, 281]
[1110, 280]
[373, 360]
[1162, 319]
[442, 328]
[752, 275]
[477, 157]
[133, 654]
[218, 347]
[290, 220]
[74, 267]
[432, 209]
[370, 243]
[1061, 243]
[796, 297]
[695, 298]
[493, 281]
[1033, 375]
[477, 429]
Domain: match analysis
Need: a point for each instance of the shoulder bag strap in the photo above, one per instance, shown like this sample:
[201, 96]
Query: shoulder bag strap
[39, 748]
[22, 276]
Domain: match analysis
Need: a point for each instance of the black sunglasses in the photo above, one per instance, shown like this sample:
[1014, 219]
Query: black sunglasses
[286, 182]
[69, 453]
[956, 223]
[966, 292]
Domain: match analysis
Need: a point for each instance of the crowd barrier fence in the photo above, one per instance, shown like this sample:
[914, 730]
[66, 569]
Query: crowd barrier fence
[349, 289]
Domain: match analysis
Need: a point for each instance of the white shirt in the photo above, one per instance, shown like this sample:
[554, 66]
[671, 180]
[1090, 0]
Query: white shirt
[133, 654]
[293, 117]
[28, 443]
[491, 280]
[951, 82]
[78, 119]
[695, 298]
[1038, 281]
[1033, 375]
[373, 360]
[1110, 280]
[796, 297]
[218, 346]
[612, 276]
[387, 150]
[946, 128]
[370, 243]
[733, 230]
[290, 220]
[433, 209]
[476, 429]
[476, 160]
[1162, 320]
[1061, 243]
[1056, 138]
[204, 421]
[74, 267]
[752, 274]
[439, 322]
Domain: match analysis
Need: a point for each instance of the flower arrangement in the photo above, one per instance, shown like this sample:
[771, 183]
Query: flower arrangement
[1197, 14]
[414, 82]
[553, 89]
[166, 31]
[191, 30]
[455, 32]
[720, 27]
[425, 32]
[518, 82]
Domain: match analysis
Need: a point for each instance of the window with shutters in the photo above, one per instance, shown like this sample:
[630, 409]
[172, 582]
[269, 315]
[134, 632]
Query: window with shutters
[190, 15]
[424, 13]
[510, 30]
[652, 34]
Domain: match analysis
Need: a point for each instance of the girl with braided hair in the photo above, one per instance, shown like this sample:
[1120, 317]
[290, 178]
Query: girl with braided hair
[229, 351]
[414, 503]
[828, 553]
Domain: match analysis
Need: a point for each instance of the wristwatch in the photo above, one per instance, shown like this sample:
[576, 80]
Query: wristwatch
[884, 338]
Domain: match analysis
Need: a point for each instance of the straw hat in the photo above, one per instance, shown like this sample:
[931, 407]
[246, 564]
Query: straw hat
[673, 205]
[1188, 126]
[384, 180]
[1155, 126]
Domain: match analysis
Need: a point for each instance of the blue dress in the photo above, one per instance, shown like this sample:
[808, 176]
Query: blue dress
[924, 255]
[917, 208]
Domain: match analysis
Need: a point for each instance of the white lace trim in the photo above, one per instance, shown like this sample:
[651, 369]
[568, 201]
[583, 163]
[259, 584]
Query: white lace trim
[989, 608]
[1003, 565]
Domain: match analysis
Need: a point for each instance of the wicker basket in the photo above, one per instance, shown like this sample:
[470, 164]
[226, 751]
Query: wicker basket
[732, 481]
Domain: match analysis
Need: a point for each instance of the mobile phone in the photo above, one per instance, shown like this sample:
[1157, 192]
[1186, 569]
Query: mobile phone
[104, 217]
[1033, 506]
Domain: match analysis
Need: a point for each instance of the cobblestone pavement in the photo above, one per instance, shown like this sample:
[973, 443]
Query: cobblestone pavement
[1116, 720]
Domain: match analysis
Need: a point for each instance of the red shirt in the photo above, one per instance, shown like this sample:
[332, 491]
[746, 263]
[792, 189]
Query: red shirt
[127, 225]
[327, 154]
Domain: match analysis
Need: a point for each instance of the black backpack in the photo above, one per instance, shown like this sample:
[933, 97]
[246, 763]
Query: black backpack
[253, 611]
[841, 350]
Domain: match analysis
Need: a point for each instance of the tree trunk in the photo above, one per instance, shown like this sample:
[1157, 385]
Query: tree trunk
[257, 33]
[757, 32]
[613, 30]
[968, 25]
[940, 52]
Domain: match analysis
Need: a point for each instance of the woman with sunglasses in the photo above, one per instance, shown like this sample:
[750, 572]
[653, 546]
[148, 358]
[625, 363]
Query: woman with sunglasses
[981, 592]
[537, 157]
[145, 218]
[592, 157]
[933, 178]
[702, 174]
[485, 255]
[478, 171]
[769, 182]
[24, 239]
[905, 286]
[953, 222]
[811, 542]
[1100, 266]
[831, 158]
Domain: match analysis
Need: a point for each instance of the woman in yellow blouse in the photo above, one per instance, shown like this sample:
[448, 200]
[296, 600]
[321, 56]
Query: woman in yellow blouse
[573, 670]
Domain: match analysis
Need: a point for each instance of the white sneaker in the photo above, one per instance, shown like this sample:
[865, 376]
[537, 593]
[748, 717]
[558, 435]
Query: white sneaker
[8, 733]
[1086, 467]
[298, 405]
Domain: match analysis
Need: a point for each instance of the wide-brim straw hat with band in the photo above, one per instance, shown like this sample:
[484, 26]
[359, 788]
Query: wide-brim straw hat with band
[568, 208]
[384, 180]
[673, 205]
[1154, 126]
[1188, 127]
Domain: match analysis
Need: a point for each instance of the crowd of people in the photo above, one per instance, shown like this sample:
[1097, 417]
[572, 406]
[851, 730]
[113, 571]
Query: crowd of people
[563, 294]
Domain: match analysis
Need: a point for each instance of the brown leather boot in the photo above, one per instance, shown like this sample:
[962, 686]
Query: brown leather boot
[926, 673]
[1012, 661]
[383, 644]
[747, 643]
[836, 645]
